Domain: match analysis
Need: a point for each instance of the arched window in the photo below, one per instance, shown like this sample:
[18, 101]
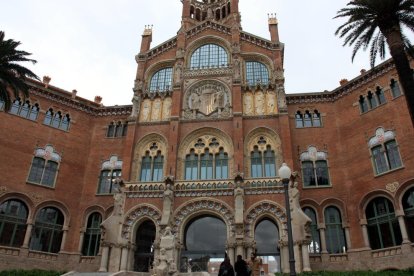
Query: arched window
[15, 106]
[44, 167]
[161, 80]
[408, 205]
[207, 160]
[315, 245]
[266, 235]
[92, 236]
[47, 230]
[48, 117]
[384, 151]
[34, 112]
[307, 119]
[222, 165]
[206, 165]
[152, 167]
[380, 95]
[25, 109]
[371, 100]
[57, 120]
[256, 72]
[316, 119]
[205, 240]
[299, 119]
[144, 254]
[363, 105]
[383, 228]
[13, 217]
[395, 88]
[1, 104]
[111, 130]
[335, 236]
[262, 159]
[111, 171]
[314, 168]
[107, 180]
[209, 55]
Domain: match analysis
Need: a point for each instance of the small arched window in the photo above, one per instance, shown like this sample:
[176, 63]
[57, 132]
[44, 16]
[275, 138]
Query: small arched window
[209, 56]
[92, 236]
[1, 104]
[13, 217]
[47, 230]
[380, 95]
[315, 244]
[299, 119]
[335, 236]
[314, 168]
[57, 120]
[44, 167]
[263, 164]
[161, 80]
[152, 167]
[408, 205]
[256, 73]
[363, 104]
[383, 228]
[371, 100]
[395, 88]
[111, 172]
[15, 106]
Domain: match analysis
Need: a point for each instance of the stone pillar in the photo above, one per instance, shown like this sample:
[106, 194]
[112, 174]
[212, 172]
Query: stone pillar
[401, 221]
[298, 257]
[347, 236]
[305, 258]
[81, 239]
[27, 234]
[284, 250]
[321, 227]
[104, 259]
[65, 233]
[131, 257]
[363, 223]
[231, 254]
[124, 258]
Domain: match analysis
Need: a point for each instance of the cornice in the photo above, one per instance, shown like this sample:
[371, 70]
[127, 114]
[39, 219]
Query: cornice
[64, 98]
[208, 25]
[348, 88]
[157, 50]
[256, 40]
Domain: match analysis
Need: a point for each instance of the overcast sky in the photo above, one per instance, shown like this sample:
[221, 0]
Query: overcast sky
[90, 45]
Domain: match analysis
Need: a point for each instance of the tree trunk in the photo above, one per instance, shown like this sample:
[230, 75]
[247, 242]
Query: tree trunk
[397, 51]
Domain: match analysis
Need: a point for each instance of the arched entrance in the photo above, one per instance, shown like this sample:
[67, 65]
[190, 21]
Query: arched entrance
[266, 235]
[204, 244]
[144, 253]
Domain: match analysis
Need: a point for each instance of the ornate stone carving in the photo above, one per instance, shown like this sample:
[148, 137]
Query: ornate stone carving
[166, 109]
[259, 103]
[271, 107]
[145, 110]
[204, 205]
[264, 208]
[178, 71]
[392, 187]
[3, 190]
[136, 105]
[140, 212]
[156, 110]
[207, 99]
[248, 104]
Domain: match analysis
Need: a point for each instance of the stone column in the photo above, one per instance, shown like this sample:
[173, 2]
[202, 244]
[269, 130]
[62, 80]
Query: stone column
[231, 254]
[27, 234]
[81, 239]
[240, 249]
[104, 259]
[401, 222]
[347, 236]
[363, 223]
[321, 227]
[305, 258]
[298, 257]
[65, 233]
[284, 250]
[124, 258]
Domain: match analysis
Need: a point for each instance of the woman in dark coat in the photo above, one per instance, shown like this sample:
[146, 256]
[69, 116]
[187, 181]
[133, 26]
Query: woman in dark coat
[241, 267]
[226, 269]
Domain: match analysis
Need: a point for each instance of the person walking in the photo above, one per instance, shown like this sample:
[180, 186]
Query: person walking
[255, 264]
[241, 267]
[226, 269]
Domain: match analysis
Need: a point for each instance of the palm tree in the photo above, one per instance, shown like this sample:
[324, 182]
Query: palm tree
[370, 24]
[12, 75]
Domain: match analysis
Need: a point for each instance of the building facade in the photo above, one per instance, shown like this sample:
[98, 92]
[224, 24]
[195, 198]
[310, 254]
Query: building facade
[189, 171]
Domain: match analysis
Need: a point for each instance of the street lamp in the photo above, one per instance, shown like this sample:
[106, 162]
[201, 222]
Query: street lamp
[285, 173]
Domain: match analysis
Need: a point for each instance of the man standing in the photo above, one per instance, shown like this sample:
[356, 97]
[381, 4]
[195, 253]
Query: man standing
[255, 264]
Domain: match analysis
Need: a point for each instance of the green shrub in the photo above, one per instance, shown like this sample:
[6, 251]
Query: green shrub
[34, 272]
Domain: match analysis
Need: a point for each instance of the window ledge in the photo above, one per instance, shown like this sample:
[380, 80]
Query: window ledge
[378, 106]
[397, 97]
[317, 187]
[104, 194]
[309, 127]
[67, 131]
[40, 185]
[17, 115]
[390, 171]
